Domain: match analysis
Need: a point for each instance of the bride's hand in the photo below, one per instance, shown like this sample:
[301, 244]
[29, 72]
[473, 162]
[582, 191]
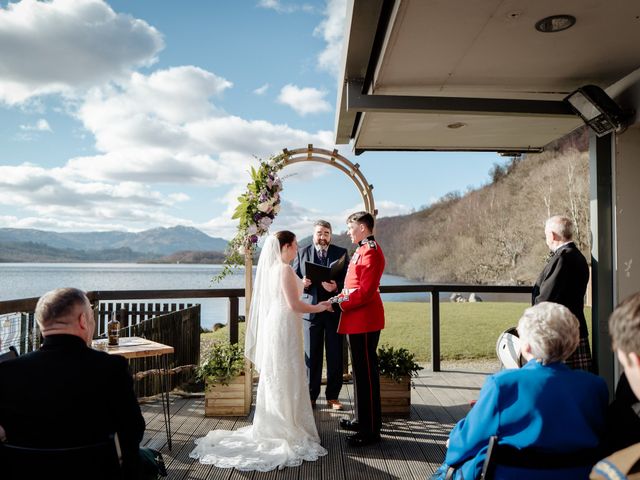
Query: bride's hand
[327, 306]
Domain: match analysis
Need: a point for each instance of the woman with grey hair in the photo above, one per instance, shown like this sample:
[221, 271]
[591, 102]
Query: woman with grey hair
[543, 405]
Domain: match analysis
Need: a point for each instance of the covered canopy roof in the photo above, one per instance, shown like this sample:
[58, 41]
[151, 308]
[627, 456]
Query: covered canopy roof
[476, 74]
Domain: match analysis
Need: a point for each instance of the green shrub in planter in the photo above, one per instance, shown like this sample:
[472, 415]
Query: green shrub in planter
[224, 362]
[396, 362]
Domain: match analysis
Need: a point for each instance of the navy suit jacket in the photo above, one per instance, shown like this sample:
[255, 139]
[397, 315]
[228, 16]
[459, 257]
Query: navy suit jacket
[315, 294]
[66, 394]
[564, 280]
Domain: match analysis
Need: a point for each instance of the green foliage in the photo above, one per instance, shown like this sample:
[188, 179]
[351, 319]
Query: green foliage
[396, 362]
[223, 362]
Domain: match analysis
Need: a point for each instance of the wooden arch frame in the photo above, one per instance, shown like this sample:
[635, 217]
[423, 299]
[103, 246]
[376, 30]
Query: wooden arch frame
[334, 159]
[298, 155]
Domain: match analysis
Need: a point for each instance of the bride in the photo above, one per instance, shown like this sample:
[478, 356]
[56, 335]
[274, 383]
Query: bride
[283, 433]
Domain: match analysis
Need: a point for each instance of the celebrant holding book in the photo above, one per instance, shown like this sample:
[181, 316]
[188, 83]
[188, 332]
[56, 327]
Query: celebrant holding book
[321, 329]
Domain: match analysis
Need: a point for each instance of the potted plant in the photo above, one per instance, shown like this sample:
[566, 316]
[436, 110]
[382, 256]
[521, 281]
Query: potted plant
[223, 375]
[396, 366]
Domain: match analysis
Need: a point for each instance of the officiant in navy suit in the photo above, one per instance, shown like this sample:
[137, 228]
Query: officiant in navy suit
[321, 329]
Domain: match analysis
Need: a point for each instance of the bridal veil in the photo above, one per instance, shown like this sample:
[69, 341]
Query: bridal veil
[266, 291]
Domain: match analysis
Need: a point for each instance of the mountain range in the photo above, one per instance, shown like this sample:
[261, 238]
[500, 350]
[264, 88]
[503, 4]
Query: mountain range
[30, 245]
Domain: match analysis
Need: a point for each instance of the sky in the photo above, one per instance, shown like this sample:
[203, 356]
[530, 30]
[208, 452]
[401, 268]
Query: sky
[136, 114]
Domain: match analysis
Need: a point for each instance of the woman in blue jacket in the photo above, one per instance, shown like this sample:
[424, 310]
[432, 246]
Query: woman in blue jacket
[543, 405]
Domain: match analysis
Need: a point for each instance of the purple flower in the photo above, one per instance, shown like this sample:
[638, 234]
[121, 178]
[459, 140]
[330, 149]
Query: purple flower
[257, 216]
[253, 239]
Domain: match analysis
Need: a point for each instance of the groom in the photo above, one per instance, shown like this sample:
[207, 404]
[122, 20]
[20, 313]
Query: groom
[362, 320]
[321, 329]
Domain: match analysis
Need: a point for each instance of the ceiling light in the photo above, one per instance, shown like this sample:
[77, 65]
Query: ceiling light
[555, 23]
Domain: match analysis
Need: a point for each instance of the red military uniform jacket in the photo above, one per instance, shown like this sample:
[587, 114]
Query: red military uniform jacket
[360, 302]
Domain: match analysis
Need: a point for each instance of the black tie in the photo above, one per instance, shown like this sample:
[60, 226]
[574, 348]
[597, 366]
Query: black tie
[323, 256]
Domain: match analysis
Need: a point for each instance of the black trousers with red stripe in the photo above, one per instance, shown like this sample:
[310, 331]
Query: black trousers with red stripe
[366, 380]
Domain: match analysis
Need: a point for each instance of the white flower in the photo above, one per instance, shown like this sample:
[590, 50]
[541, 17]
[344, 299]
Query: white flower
[252, 229]
[265, 206]
[241, 250]
[276, 209]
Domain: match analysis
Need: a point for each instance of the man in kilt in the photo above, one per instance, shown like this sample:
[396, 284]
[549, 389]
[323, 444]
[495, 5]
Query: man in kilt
[564, 280]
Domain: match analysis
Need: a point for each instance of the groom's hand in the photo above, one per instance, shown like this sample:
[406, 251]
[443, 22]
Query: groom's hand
[331, 286]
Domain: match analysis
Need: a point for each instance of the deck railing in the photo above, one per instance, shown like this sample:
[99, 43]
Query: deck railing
[233, 294]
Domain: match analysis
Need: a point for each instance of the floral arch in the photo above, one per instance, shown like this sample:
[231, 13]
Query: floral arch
[260, 204]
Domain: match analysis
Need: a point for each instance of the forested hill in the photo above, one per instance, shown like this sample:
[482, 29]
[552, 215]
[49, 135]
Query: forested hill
[494, 234]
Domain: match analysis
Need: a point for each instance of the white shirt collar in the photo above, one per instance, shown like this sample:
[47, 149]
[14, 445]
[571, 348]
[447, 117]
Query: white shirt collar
[560, 246]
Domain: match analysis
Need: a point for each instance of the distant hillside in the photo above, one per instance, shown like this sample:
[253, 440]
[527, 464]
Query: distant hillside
[191, 257]
[494, 234]
[17, 252]
[94, 246]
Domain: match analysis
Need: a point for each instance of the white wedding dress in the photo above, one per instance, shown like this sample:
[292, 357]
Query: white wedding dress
[283, 433]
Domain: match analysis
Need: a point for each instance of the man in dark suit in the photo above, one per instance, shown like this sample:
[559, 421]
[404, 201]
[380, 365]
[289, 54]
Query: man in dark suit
[67, 394]
[321, 329]
[564, 280]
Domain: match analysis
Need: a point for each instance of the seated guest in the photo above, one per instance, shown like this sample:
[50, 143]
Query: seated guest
[66, 394]
[623, 419]
[543, 405]
[624, 327]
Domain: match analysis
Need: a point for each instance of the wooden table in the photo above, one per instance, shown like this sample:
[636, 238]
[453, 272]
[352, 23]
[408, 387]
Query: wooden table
[137, 347]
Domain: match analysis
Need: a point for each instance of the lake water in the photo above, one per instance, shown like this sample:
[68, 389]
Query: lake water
[24, 280]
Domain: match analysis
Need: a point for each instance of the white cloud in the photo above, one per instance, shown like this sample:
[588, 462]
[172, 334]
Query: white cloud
[388, 208]
[280, 7]
[304, 100]
[261, 90]
[165, 128]
[63, 45]
[152, 129]
[41, 125]
[332, 30]
[55, 199]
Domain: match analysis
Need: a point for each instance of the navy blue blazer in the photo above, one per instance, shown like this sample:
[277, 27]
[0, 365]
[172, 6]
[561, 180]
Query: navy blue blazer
[315, 294]
[550, 407]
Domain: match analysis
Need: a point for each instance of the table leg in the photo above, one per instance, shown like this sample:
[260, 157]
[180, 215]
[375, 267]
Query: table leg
[163, 370]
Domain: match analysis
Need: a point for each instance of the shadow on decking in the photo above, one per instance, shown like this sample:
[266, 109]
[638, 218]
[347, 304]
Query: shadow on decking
[411, 448]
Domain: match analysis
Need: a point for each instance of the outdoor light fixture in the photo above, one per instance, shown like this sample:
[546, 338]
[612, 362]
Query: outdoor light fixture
[555, 23]
[601, 113]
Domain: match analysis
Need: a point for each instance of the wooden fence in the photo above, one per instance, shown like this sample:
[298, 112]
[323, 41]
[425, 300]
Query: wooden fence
[181, 330]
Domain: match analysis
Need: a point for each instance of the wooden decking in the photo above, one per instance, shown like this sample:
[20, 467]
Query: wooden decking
[412, 448]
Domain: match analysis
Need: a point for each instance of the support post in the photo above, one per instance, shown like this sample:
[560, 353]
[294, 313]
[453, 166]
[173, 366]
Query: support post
[435, 330]
[233, 319]
[602, 248]
[248, 290]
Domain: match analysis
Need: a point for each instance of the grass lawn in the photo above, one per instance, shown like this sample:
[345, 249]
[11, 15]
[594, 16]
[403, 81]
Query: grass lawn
[467, 330]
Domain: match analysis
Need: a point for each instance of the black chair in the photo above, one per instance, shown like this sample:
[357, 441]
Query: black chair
[10, 355]
[533, 459]
[95, 461]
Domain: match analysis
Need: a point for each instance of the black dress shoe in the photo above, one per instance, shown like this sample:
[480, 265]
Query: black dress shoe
[363, 439]
[351, 425]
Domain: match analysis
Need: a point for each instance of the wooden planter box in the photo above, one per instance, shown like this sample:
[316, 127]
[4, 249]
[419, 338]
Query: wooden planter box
[226, 400]
[395, 397]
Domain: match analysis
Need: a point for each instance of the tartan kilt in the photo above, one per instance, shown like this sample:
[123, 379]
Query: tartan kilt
[580, 359]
